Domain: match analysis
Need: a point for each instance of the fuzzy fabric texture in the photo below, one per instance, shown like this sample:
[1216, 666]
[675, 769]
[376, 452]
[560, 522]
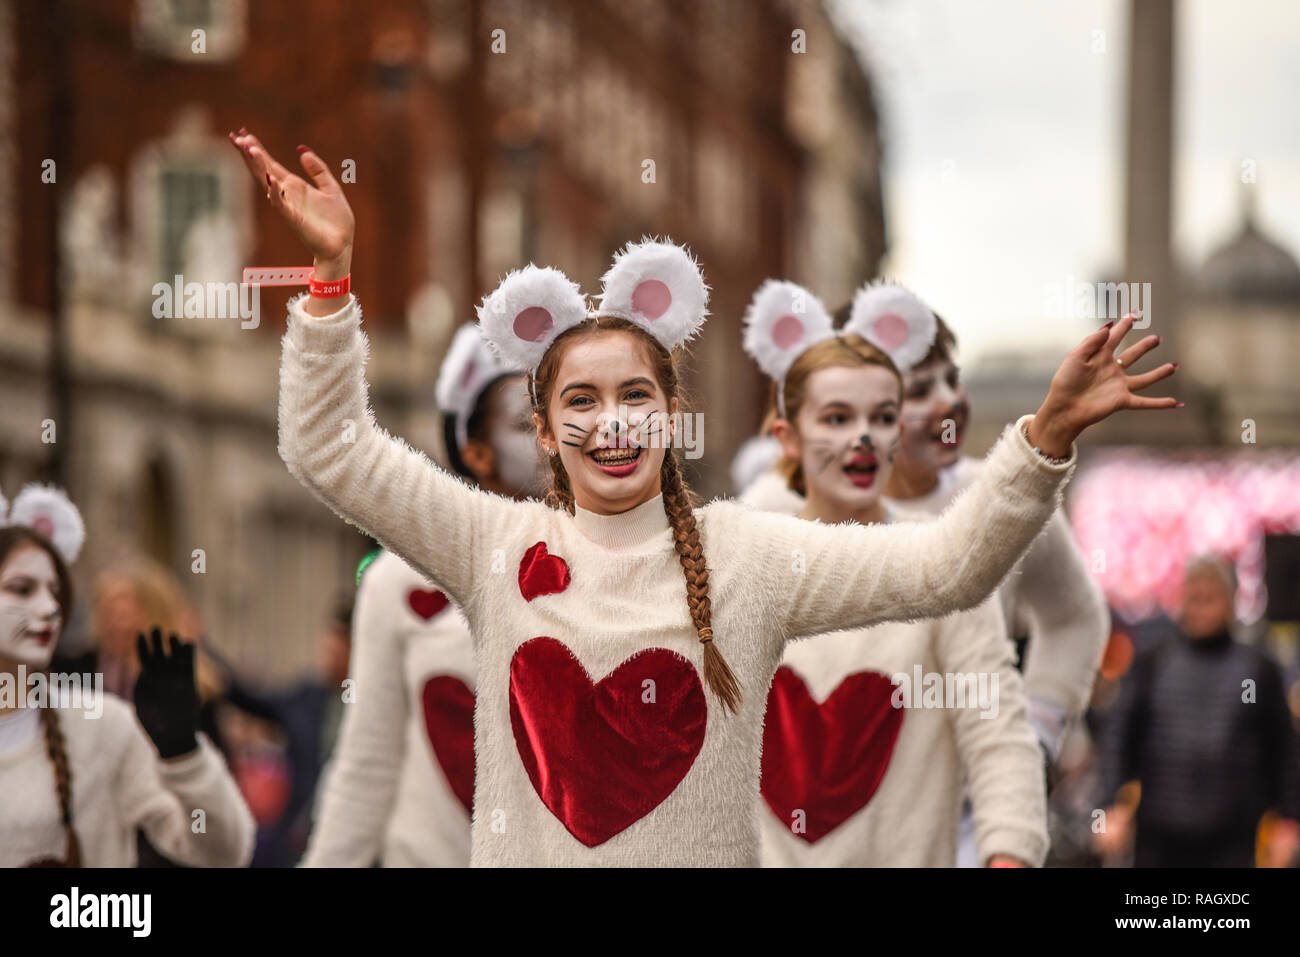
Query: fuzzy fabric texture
[467, 370]
[912, 818]
[1051, 597]
[771, 577]
[119, 784]
[659, 286]
[526, 313]
[48, 510]
[782, 322]
[384, 795]
[894, 320]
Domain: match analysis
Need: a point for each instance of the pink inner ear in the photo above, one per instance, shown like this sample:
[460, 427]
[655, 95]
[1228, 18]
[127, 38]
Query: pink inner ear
[468, 376]
[43, 525]
[890, 330]
[651, 298]
[533, 324]
[787, 331]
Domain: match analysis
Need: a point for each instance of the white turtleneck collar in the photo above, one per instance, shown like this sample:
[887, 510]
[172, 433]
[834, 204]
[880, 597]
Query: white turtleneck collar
[626, 529]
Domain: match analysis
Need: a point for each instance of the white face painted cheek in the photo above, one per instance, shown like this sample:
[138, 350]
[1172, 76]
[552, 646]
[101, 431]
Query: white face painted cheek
[22, 614]
[514, 440]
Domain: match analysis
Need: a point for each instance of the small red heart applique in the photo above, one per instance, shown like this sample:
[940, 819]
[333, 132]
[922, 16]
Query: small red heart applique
[826, 759]
[449, 723]
[426, 604]
[541, 573]
[598, 754]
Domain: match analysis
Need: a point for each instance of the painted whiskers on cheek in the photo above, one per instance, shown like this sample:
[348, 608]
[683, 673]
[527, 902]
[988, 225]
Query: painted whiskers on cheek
[575, 432]
[825, 452]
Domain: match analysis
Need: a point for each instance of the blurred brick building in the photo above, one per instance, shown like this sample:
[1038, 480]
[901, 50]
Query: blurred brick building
[482, 135]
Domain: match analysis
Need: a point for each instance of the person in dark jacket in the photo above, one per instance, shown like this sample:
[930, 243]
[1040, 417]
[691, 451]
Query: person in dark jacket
[1202, 727]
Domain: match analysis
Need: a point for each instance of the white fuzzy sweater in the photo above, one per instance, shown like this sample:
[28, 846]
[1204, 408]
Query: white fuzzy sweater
[885, 783]
[119, 784]
[1049, 597]
[387, 792]
[646, 768]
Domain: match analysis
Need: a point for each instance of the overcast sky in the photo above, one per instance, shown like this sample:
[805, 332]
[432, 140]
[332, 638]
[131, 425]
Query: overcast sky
[1005, 134]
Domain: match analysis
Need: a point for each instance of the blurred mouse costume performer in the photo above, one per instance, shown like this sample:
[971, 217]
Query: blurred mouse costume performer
[400, 787]
[859, 767]
[621, 673]
[81, 772]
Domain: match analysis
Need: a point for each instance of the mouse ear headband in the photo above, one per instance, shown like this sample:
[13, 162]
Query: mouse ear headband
[468, 369]
[895, 321]
[784, 320]
[655, 285]
[48, 511]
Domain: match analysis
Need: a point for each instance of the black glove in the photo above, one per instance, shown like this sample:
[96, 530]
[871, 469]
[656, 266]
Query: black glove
[166, 700]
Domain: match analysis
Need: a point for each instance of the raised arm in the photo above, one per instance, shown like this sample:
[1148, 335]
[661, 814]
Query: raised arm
[328, 436]
[827, 577]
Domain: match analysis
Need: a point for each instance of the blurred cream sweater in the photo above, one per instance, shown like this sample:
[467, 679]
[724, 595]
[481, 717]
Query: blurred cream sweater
[388, 791]
[119, 784]
[596, 741]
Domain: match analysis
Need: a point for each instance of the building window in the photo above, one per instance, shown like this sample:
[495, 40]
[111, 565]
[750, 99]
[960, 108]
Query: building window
[195, 31]
[188, 196]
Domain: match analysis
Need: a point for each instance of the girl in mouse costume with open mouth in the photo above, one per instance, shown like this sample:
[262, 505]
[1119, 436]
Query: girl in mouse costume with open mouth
[400, 787]
[77, 778]
[595, 740]
[859, 771]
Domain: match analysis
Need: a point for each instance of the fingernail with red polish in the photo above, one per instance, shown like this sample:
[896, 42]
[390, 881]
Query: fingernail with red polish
[268, 179]
[1175, 366]
[302, 149]
[243, 132]
[1109, 324]
[1180, 405]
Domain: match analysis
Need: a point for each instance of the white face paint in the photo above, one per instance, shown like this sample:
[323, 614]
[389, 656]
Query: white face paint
[848, 429]
[936, 410]
[30, 619]
[513, 438]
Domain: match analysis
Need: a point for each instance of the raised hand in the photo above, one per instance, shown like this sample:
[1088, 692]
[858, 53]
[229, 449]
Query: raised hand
[317, 211]
[1092, 383]
[166, 700]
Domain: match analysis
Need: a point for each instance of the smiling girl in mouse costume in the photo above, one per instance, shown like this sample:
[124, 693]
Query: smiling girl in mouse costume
[855, 773]
[595, 742]
[78, 779]
[400, 786]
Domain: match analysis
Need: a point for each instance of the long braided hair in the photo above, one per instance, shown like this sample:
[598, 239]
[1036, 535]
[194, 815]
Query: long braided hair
[12, 537]
[679, 499]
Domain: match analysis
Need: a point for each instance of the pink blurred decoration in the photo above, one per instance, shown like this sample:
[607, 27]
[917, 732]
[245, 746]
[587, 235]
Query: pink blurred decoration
[1140, 519]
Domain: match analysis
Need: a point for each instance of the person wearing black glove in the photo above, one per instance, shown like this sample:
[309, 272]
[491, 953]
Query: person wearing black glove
[166, 699]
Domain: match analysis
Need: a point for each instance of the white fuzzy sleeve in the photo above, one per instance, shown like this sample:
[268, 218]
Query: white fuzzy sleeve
[165, 798]
[814, 578]
[1058, 604]
[331, 444]
[359, 786]
[1000, 757]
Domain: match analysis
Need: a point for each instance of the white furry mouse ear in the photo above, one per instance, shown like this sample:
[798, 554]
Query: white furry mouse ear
[894, 320]
[783, 320]
[659, 286]
[527, 311]
[468, 369]
[48, 511]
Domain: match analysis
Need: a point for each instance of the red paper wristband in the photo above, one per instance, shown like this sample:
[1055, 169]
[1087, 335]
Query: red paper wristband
[329, 288]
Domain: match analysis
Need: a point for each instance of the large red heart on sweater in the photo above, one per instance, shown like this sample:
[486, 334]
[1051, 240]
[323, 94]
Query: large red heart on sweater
[541, 573]
[601, 756]
[826, 759]
[426, 604]
[449, 722]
